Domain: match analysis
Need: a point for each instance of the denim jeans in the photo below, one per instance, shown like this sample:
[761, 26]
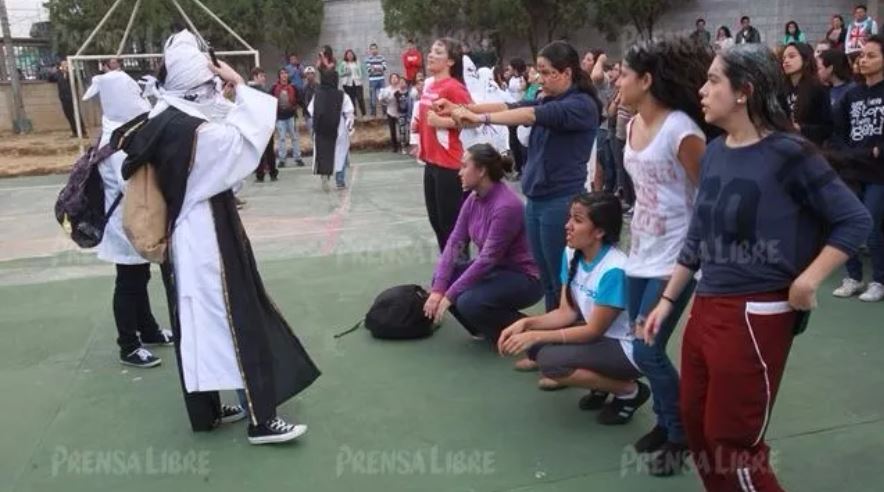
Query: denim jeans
[872, 195]
[644, 294]
[374, 87]
[341, 176]
[494, 302]
[285, 128]
[545, 223]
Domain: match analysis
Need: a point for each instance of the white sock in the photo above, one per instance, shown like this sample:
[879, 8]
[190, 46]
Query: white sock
[628, 396]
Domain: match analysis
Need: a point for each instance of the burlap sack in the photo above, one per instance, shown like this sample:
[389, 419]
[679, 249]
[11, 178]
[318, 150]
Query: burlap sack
[144, 215]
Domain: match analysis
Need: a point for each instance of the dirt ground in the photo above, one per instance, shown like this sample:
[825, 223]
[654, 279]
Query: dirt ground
[42, 153]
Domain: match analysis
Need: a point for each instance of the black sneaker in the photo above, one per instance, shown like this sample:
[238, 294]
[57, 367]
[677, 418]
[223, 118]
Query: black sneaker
[620, 410]
[231, 414]
[300, 162]
[595, 400]
[140, 357]
[280, 164]
[162, 338]
[669, 461]
[652, 441]
[275, 430]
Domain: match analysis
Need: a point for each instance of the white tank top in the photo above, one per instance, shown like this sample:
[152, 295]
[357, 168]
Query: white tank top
[664, 198]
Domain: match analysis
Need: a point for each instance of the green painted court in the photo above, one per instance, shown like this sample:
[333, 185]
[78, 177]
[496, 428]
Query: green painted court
[442, 414]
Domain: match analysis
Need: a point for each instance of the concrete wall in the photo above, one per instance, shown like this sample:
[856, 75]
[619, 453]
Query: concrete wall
[42, 107]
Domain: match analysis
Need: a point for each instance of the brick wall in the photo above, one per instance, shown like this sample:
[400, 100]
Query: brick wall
[42, 107]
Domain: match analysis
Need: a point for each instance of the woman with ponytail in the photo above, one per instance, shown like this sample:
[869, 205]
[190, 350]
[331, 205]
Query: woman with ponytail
[587, 342]
[486, 294]
[564, 126]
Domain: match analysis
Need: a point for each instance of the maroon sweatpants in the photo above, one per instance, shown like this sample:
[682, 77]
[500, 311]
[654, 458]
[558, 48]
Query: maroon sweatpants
[733, 356]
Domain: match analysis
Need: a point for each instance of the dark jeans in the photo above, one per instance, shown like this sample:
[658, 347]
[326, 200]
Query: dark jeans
[374, 87]
[443, 196]
[545, 222]
[872, 196]
[393, 123]
[67, 108]
[268, 163]
[356, 95]
[644, 294]
[494, 302]
[132, 307]
[624, 182]
[605, 156]
[520, 153]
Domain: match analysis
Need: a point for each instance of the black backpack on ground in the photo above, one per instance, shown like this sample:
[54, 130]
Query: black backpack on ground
[397, 314]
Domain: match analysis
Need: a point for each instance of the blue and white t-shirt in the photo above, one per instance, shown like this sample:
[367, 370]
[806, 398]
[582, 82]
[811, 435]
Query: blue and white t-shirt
[602, 281]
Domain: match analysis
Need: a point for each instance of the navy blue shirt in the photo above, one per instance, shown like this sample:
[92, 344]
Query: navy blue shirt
[764, 212]
[560, 143]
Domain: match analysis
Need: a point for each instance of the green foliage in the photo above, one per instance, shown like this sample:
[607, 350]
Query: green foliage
[282, 22]
[612, 15]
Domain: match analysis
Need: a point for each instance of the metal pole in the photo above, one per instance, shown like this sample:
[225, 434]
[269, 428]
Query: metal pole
[128, 27]
[225, 26]
[20, 121]
[75, 99]
[98, 27]
[189, 23]
[155, 55]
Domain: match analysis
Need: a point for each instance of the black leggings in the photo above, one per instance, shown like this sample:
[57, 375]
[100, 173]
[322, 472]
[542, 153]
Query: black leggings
[356, 95]
[443, 196]
[393, 122]
[132, 307]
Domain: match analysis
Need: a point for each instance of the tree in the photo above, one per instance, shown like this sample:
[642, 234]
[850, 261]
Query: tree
[611, 15]
[280, 21]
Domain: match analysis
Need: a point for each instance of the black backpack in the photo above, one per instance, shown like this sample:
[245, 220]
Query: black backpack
[80, 207]
[397, 314]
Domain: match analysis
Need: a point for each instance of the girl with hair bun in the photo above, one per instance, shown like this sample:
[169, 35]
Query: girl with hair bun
[486, 294]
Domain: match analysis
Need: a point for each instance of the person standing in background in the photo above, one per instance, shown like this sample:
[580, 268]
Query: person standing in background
[376, 67]
[412, 62]
[296, 72]
[350, 72]
[62, 78]
[723, 39]
[286, 124]
[793, 34]
[748, 33]
[267, 165]
[863, 26]
[837, 33]
[310, 87]
[700, 34]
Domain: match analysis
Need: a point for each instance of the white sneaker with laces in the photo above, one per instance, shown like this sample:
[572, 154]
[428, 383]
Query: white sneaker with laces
[874, 293]
[849, 288]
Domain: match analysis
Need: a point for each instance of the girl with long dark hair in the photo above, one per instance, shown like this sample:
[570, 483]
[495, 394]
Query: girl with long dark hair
[834, 72]
[440, 145]
[807, 100]
[350, 72]
[563, 124]
[793, 34]
[837, 32]
[586, 341]
[771, 222]
[664, 144]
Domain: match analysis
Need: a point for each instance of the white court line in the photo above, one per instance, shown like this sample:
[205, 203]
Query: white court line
[288, 168]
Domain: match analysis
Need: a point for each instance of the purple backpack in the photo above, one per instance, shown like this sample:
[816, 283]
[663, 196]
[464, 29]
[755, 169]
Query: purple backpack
[79, 208]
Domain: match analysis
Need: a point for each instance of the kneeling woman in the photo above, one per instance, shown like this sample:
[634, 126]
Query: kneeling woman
[486, 295]
[595, 353]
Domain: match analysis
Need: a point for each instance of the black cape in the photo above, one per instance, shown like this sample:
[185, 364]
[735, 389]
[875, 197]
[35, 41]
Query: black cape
[327, 106]
[273, 363]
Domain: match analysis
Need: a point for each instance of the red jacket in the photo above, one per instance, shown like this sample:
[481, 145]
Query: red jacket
[293, 100]
[412, 61]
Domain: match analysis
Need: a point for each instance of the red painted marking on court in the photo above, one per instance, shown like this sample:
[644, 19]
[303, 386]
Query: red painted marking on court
[333, 227]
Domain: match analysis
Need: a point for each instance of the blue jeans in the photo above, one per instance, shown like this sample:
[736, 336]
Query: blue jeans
[872, 195]
[243, 401]
[644, 293]
[605, 156]
[374, 87]
[341, 176]
[545, 223]
[287, 128]
[494, 302]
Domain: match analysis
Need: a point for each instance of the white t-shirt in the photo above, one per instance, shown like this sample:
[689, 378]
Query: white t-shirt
[664, 198]
[601, 281]
[515, 88]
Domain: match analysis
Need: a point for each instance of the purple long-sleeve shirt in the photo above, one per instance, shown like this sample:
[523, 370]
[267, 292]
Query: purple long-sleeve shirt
[495, 223]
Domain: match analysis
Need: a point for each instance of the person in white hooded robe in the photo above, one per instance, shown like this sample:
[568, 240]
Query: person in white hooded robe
[480, 83]
[334, 117]
[121, 100]
[229, 335]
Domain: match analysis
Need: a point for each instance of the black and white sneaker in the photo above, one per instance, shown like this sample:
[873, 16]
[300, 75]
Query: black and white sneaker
[162, 338]
[621, 410]
[274, 431]
[140, 357]
[231, 414]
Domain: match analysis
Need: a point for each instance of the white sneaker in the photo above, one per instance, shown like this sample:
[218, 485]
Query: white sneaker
[874, 293]
[849, 288]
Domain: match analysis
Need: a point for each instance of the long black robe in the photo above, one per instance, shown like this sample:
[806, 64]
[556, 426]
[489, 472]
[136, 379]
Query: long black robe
[273, 363]
[327, 106]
